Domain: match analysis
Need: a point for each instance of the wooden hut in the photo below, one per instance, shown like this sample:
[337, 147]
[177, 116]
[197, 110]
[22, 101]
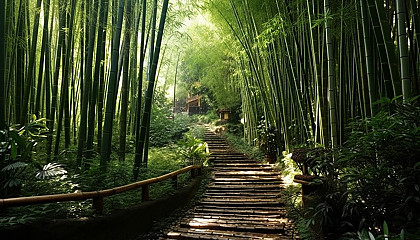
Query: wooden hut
[224, 114]
[194, 105]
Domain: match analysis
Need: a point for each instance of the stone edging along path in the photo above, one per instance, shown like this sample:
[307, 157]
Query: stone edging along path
[242, 201]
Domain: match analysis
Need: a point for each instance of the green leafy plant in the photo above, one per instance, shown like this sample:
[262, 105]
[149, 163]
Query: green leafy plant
[267, 140]
[375, 178]
[368, 235]
[50, 170]
[320, 162]
[164, 129]
[193, 149]
[241, 145]
[17, 153]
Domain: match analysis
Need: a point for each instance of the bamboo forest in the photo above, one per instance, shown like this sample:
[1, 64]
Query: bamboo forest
[210, 119]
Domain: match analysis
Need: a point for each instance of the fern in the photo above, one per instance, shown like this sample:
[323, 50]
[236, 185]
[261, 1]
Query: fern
[14, 166]
[50, 170]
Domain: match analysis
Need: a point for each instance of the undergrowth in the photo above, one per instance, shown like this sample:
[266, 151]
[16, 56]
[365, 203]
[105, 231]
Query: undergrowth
[161, 161]
[239, 144]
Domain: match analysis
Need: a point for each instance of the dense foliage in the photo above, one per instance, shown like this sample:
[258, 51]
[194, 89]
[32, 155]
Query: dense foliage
[310, 74]
[299, 74]
[375, 177]
[308, 67]
[162, 160]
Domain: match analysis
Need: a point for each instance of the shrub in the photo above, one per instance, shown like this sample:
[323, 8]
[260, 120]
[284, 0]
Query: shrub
[193, 150]
[164, 129]
[375, 176]
[18, 165]
[382, 167]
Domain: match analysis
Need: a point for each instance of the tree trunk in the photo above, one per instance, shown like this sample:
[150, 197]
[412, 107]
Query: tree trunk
[331, 79]
[112, 90]
[138, 160]
[20, 62]
[125, 83]
[140, 84]
[403, 51]
[30, 76]
[61, 36]
[2, 72]
[149, 94]
[368, 57]
[87, 83]
[100, 58]
[46, 7]
[64, 93]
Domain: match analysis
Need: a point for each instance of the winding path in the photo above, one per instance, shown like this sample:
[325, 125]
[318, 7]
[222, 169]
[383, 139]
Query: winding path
[242, 201]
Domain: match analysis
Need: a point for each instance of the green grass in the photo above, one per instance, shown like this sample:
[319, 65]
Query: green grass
[239, 144]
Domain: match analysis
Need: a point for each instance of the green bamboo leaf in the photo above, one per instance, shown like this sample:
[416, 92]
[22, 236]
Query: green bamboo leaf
[15, 136]
[50, 170]
[14, 166]
[13, 149]
[386, 231]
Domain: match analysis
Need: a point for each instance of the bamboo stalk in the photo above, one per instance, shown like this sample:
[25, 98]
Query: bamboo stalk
[403, 51]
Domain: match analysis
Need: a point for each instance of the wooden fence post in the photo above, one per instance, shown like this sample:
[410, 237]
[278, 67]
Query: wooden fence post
[175, 181]
[193, 173]
[98, 204]
[145, 193]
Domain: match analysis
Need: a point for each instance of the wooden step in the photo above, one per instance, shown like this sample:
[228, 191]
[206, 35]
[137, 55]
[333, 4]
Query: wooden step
[252, 188]
[245, 173]
[211, 234]
[261, 219]
[248, 178]
[242, 201]
[244, 204]
[240, 194]
[236, 226]
[253, 164]
[242, 210]
[241, 191]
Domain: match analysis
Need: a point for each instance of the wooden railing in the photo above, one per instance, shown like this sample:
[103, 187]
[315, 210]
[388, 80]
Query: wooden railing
[98, 196]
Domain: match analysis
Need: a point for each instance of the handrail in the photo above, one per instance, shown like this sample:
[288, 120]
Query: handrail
[98, 196]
